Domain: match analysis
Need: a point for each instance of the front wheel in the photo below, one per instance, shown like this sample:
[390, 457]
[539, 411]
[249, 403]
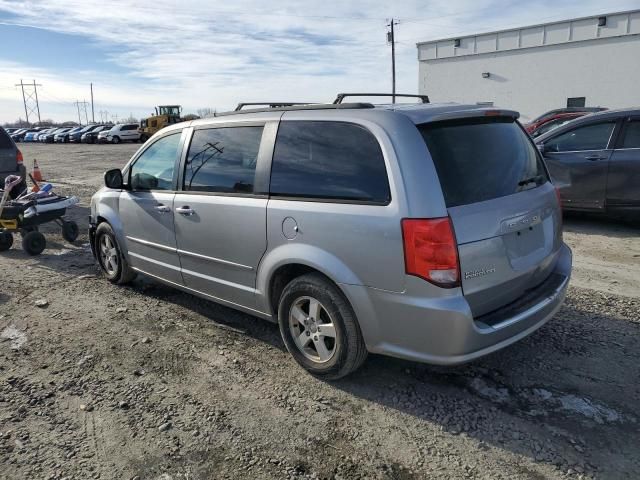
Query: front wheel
[110, 256]
[319, 327]
[115, 140]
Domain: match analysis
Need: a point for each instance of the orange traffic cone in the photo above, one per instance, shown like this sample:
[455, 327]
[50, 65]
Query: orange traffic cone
[37, 175]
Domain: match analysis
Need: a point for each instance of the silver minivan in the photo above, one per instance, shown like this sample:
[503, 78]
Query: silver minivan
[426, 232]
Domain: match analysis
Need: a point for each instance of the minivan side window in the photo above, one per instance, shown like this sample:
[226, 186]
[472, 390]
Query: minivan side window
[589, 137]
[328, 160]
[631, 135]
[223, 160]
[153, 170]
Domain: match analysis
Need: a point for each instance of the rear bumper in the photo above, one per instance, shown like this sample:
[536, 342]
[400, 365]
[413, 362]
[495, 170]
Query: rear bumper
[442, 330]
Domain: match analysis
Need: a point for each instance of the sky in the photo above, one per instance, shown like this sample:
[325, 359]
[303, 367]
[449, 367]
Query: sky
[214, 54]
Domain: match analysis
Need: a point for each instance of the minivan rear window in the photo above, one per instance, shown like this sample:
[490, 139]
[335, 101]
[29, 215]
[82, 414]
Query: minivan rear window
[482, 159]
[5, 140]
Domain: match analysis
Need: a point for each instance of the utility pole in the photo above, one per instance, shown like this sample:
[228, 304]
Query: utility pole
[30, 99]
[391, 38]
[78, 107]
[93, 116]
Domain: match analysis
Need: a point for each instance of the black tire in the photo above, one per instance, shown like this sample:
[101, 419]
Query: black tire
[115, 140]
[34, 243]
[6, 240]
[349, 350]
[120, 273]
[70, 231]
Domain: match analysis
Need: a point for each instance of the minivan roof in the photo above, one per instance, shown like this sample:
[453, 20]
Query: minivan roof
[418, 113]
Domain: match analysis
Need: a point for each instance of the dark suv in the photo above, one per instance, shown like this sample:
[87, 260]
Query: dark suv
[10, 160]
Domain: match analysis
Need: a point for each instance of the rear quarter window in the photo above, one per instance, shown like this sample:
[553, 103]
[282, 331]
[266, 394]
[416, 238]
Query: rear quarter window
[482, 159]
[328, 160]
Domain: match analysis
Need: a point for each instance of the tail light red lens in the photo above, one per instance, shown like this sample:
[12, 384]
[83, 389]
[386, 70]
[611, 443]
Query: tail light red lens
[430, 250]
[558, 195]
[19, 159]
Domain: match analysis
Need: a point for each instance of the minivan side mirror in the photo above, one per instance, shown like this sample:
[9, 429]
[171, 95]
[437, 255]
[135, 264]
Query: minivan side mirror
[113, 179]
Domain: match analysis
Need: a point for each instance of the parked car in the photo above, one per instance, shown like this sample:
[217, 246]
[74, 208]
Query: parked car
[36, 136]
[554, 121]
[29, 136]
[76, 136]
[426, 232]
[556, 111]
[49, 136]
[18, 135]
[102, 136]
[11, 162]
[596, 162]
[124, 132]
[10, 130]
[63, 137]
[92, 135]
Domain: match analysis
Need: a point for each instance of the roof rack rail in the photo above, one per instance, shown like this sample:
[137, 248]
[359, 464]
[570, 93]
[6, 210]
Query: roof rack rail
[303, 106]
[270, 104]
[341, 96]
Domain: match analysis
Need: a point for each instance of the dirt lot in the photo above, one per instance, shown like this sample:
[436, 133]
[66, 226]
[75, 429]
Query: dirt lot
[147, 382]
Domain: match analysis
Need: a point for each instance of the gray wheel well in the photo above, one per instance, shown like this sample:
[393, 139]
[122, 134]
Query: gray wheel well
[281, 277]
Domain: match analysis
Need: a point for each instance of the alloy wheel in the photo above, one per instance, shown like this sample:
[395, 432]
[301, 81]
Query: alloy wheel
[108, 255]
[312, 329]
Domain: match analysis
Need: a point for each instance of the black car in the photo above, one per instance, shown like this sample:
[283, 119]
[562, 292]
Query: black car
[77, 135]
[92, 135]
[595, 162]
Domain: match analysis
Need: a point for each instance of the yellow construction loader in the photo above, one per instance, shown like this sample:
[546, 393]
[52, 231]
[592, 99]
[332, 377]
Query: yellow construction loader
[164, 115]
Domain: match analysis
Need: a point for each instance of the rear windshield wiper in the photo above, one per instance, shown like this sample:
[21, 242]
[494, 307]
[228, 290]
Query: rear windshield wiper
[537, 180]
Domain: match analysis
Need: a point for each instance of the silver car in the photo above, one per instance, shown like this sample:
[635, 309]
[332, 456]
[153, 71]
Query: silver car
[426, 232]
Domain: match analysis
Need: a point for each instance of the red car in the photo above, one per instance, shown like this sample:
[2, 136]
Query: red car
[548, 123]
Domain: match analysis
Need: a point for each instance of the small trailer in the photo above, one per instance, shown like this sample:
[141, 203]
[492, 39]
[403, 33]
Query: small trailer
[30, 210]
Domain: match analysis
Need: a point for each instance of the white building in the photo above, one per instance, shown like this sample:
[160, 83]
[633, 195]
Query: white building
[592, 61]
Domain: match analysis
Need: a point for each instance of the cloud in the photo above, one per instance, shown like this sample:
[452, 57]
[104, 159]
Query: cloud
[216, 54]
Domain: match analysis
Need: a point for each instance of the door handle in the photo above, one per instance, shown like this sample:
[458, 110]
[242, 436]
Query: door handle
[593, 158]
[186, 210]
[162, 208]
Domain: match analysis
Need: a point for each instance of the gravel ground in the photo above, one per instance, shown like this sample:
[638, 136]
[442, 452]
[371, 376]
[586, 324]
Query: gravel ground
[145, 382]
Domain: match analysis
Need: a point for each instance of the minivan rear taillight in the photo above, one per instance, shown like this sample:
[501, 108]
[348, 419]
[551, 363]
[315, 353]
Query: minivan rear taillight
[430, 250]
[19, 159]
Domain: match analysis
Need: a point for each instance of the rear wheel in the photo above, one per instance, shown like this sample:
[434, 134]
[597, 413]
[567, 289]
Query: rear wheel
[6, 240]
[110, 256]
[319, 327]
[34, 242]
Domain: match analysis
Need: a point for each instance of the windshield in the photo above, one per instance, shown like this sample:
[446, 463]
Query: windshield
[482, 159]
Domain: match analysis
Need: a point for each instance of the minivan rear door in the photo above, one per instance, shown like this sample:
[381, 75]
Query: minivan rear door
[503, 208]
